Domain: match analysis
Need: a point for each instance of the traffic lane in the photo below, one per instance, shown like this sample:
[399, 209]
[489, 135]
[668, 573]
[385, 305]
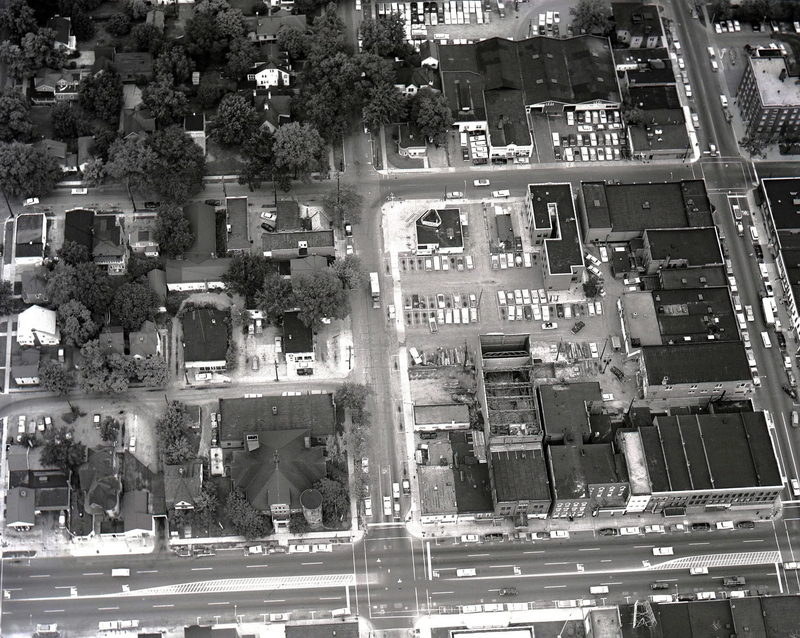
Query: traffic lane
[82, 614]
[51, 577]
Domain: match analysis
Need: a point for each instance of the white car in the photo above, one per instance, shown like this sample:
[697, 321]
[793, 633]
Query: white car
[132, 445]
[501, 193]
[559, 533]
[454, 195]
[748, 310]
[549, 325]
[349, 250]
[681, 64]
[663, 551]
[787, 362]
[470, 538]
[365, 465]
[795, 487]
[31, 201]
[269, 216]
[367, 507]
[697, 571]
[695, 120]
[80, 191]
[480, 182]
[688, 91]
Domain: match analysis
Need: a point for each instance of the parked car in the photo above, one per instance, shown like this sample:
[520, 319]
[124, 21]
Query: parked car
[608, 531]
[213, 202]
[745, 525]
[348, 229]
[700, 527]
[663, 551]
[549, 325]
[480, 182]
[579, 325]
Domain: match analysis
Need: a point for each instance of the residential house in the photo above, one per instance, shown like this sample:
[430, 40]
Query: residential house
[79, 227]
[30, 238]
[135, 513]
[183, 484]
[264, 28]
[273, 110]
[109, 250]
[410, 141]
[112, 340]
[137, 122]
[37, 325]
[33, 488]
[20, 509]
[145, 342]
[25, 366]
[409, 80]
[155, 18]
[270, 74]
[202, 219]
[34, 285]
[141, 229]
[157, 280]
[195, 127]
[66, 160]
[85, 151]
[183, 275]
[288, 245]
[134, 67]
[49, 87]
[205, 339]
[64, 38]
[100, 481]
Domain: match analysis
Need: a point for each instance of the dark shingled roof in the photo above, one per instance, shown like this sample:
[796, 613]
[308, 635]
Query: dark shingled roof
[709, 451]
[696, 362]
[252, 415]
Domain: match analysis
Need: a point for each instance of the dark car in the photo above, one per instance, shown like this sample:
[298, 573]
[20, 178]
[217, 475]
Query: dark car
[152, 204]
[213, 202]
[789, 391]
[305, 372]
[617, 372]
[268, 227]
[745, 525]
[700, 527]
[781, 340]
[579, 325]
[508, 591]
[608, 531]
[657, 586]
[759, 252]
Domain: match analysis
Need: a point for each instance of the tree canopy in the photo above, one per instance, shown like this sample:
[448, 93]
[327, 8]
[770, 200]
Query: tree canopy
[351, 272]
[342, 204]
[173, 230]
[245, 275]
[299, 150]
[236, 120]
[166, 102]
[17, 20]
[246, 520]
[175, 63]
[275, 297]
[320, 296]
[134, 303]
[60, 449]
[75, 323]
[385, 36]
[100, 95]
[178, 165]
[15, 120]
[54, 377]
[174, 435]
[431, 114]
[591, 16]
[335, 500]
[27, 171]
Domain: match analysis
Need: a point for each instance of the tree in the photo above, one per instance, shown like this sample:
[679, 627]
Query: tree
[352, 396]
[383, 104]
[308, 6]
[720, 10]
[246, 520]
[210, 93]
[241, 57]
[257, 154]
[205, 506]
[151, 372]
[320, 296]
[119, 25]
[203, 39]
[294, 41]
[236, 120]
[350, 272]
[211, 7]
[231, 24]
[298, 523]
[101, 372]
[73, 253]
[92, 287]
[140, 264]
[15, 120]
[134, 303]
[275, 297]
[17, 20]
[95, 172]
[331, 94]
[174, 62]
[8, 304]
[83, 27]
[54, 377]
[245, 275]
[75, 323]
[27, 171]
[34, 51]
[68, 121]
[147, 38]
[172, 430]
[100, 95]
[109, 427]
[129, 160]
[591, 16]
[342, 204]
[173, 231]
[634, 116]
[136, 9]
[167, 103]
[385, 36]
[176, 172]
[591, 287]
[298, 151]
[335, 500]
[431, 114]
[104, 137]
[60, 449]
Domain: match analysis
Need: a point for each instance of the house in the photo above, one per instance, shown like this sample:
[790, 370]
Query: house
[409, 80]
[520, 484]
[134, 67]
[49, 87]
[25, 367]
[267, 75]
[79, 227]
[238, 228]
[145, 342]
[64, 39]
[135, 514]
[410, 142]
[185, 275]
[183, 484]
[30, 238]
[20, 508]
[289, 245]
[202, 219]
[109, 250]
[265, 28]
[141, 231]
[155, 17]
[37, 325]
[136, 122]
[157, 280]
[33, 488]
[554, 226]
[100, 481]
[205, 339]
[34, 285]
[85, 151]
[273, 110]
[67, 161]
[112, 340]
[195, 127]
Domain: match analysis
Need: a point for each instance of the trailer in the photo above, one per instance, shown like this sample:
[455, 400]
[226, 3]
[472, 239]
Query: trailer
[375, 289]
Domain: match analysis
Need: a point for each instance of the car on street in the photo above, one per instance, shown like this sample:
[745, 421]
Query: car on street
[350, 249]
[454, 195]
[795, 487]
[549, 325]
[508, 591]
[607, 531]
[745, 525]
[698, 571]
[681, 63]
[480, 182]
[659, 586]
[31, 201]
[365, 465]
[559, 533]
[387, 506]
[654, 529]
[695, 120]
[663, 551]
[96, 420]
[470, 538]
[80, 191]
[348, 229]
[132, 445]
[748, 311]
[152, 204]
[700, 527]
[367, 507]
[501, 193]
[756, 378]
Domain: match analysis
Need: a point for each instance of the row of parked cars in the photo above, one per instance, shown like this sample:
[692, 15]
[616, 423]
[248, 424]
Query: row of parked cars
[32, 425]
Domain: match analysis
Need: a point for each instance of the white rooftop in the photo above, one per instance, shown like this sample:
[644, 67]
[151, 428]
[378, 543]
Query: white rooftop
[773, 91]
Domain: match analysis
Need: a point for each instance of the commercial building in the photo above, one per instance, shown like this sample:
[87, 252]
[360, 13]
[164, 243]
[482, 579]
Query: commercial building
[238, 229]
[205, 339]
[681, 248]
[689, 464]
[695, 372]
[638, 25]
[520, 487]
[769, 99]
[662, 134]
[37, 326]
[439, 232]
[621, 212]
[554, 226]
[298, 342]
[443, 416]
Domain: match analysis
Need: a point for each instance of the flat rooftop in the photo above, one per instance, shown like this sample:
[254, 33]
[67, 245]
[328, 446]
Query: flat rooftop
[697, 246]
[631, 446]
[783, 198]
[695, 314]
[238, 235]
[720, 361]
[273, 413]
[576, 467]
[772, 90]
[520, 475]
[442, 413]
[564, 410]
[441, 227]
[710, 451]
[564, 251]
[697, 277]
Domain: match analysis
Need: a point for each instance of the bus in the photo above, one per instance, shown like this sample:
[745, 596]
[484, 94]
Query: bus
[375, 289]
[768, 308]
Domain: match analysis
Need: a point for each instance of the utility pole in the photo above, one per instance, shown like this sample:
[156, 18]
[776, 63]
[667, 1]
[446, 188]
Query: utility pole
[276, 369]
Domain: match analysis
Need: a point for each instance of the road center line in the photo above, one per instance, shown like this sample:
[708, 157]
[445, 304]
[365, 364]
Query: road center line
[317, 563]
[157, 606]
[147, 571]
[330, 597]
[477, 555]
[605, 560]
[201, 569]
[589, 549]
[701, 543]
[565, 563]
[40, 576]
[614, 583]
[534, 551]
[555, 586]
[754, 540]
[500, 566]
[643, 546]
[440, 593]
[249, 566]
[62, 586]
[54, 611]
[276, 600]
[92, 573]
[218, 603]
[107, 608]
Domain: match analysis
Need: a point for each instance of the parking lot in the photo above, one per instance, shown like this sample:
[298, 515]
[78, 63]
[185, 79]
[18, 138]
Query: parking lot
[587, 136]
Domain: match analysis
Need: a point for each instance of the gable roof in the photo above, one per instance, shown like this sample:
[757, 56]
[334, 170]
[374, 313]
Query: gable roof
[62, 28]
[107, 238]
[20, 506]
[134, 512]
[183, 483]
[112, 340]
[99, 479]
[38, 319]
[144, 342]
